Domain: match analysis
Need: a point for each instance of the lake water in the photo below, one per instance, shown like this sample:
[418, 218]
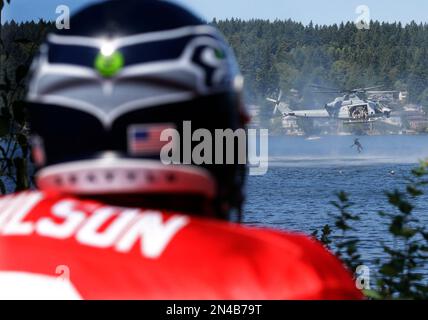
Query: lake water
[304, 176]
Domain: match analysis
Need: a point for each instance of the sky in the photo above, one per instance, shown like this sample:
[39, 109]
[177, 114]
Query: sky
[318, 11]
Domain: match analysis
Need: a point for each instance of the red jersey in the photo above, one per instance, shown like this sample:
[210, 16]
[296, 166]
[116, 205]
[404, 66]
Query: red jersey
[107, 252]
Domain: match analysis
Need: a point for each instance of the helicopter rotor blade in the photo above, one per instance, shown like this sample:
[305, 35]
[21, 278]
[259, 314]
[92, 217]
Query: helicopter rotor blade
[327, 91]
[323, 87]
[363, 90]
[374, 87]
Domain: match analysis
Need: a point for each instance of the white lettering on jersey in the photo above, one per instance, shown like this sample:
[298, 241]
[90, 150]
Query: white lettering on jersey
[72, 220]
[105, 227]
[153, 233]
[90, 235]
[18, 208]
[5, 210]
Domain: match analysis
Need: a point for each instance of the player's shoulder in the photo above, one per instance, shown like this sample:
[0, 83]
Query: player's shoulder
[291, 260]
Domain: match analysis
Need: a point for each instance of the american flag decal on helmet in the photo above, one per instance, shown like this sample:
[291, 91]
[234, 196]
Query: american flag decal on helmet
[145, 139]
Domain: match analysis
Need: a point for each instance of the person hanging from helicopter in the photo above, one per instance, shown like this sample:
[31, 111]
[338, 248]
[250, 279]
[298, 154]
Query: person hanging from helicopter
[358, 144]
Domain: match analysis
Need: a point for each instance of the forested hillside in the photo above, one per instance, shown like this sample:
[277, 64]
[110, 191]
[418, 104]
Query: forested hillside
[288, 55]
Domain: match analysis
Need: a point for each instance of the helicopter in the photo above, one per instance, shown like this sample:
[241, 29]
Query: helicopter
[351, 107]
